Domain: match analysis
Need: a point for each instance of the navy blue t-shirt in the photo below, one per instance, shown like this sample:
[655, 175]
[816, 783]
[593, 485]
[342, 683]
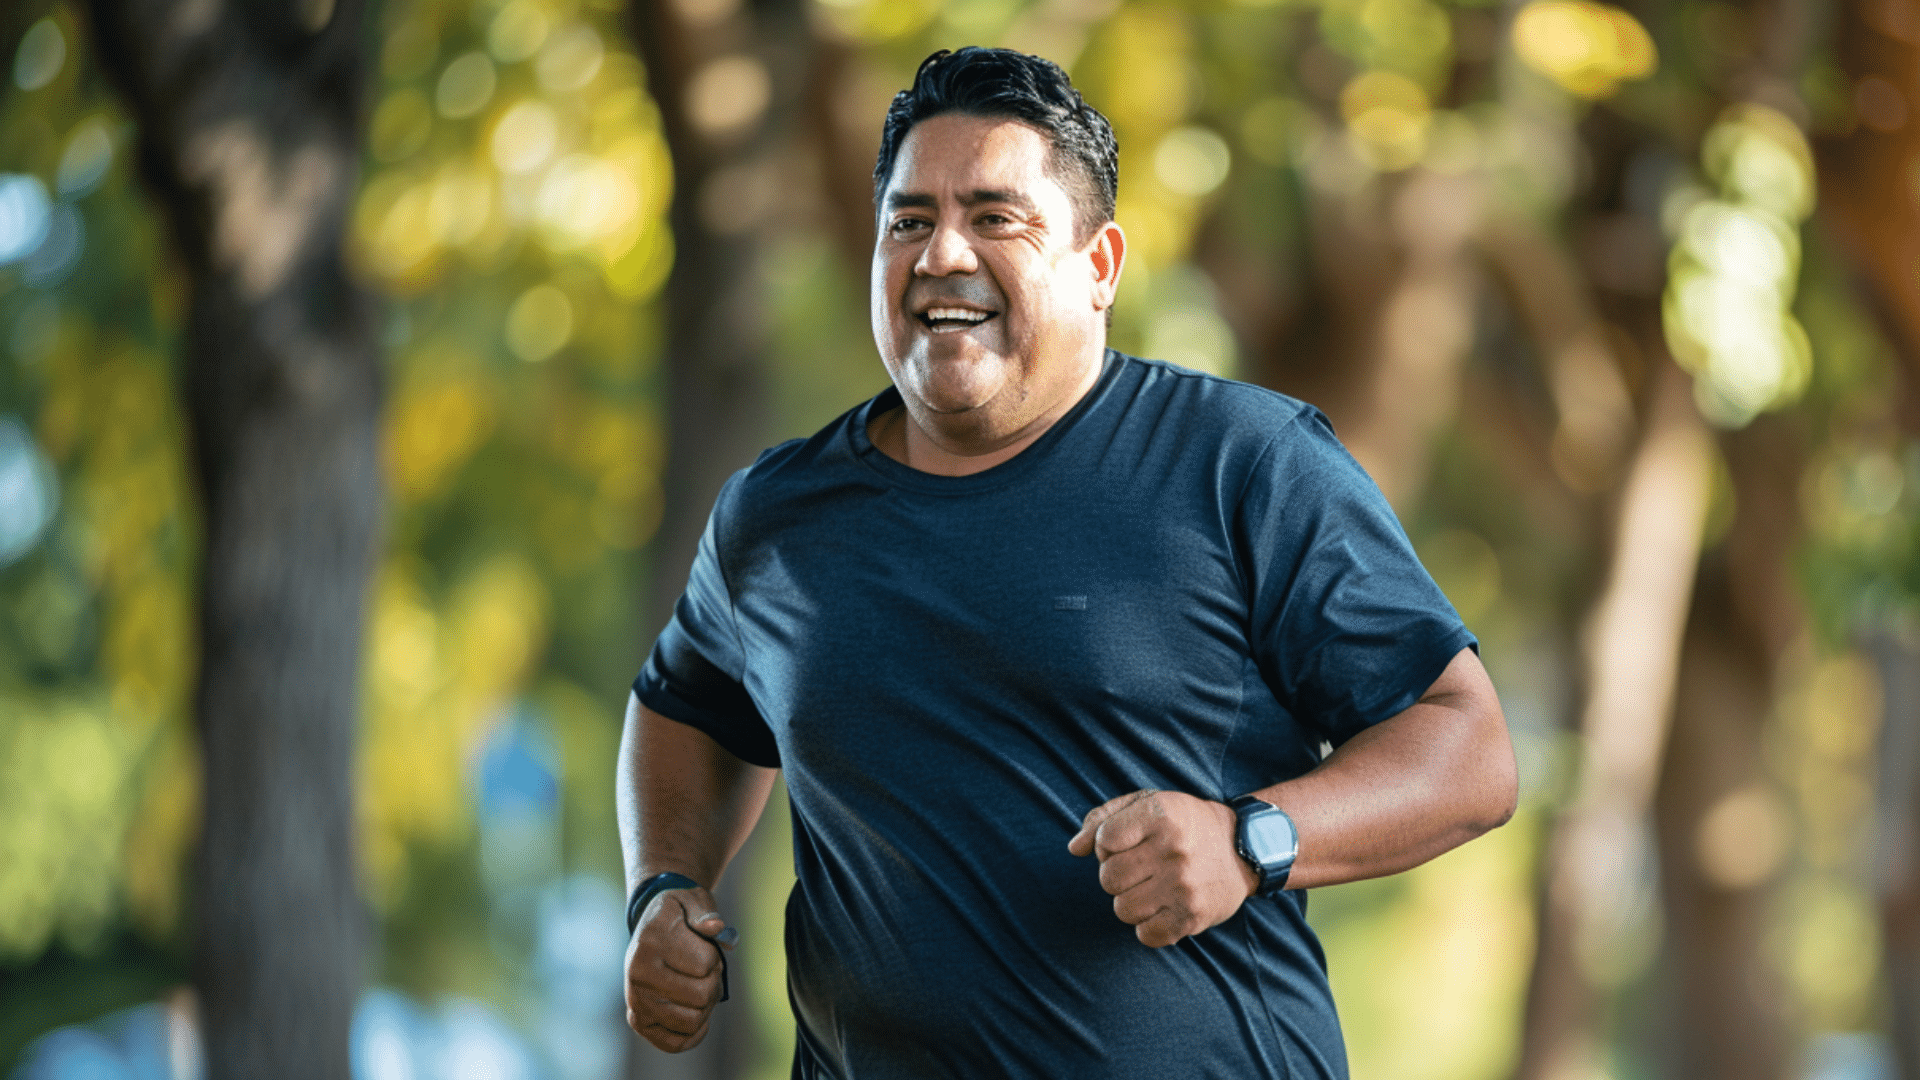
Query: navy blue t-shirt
[1185, 584]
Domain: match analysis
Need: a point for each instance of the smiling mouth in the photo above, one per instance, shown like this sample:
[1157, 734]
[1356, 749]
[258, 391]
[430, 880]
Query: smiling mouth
[948, 320]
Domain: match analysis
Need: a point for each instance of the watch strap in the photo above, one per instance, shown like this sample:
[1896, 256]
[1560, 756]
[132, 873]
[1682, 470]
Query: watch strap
[650, 888]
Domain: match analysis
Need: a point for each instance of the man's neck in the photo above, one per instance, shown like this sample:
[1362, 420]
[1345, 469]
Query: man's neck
[930, 448]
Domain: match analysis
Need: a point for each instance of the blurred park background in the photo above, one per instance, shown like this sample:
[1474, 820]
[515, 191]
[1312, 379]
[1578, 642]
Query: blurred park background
[367, 370]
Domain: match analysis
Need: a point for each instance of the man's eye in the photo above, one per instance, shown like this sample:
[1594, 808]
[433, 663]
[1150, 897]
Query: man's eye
[905, 225]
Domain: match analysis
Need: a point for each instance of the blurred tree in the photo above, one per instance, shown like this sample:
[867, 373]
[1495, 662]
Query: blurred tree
[1721, 831]
[1708, 759]
[731, 81]
[1378, 331]
[1897, 862]
[1866, 166]
[249, 139]
[1631, 649]
[1721, 822]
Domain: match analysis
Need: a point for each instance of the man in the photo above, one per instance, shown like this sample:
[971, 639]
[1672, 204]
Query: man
[1018, 630]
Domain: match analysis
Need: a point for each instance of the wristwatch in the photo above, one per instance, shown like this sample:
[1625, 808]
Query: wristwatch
[1266, 838]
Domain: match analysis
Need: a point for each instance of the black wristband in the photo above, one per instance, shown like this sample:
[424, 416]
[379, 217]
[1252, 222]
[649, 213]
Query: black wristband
[654, 886]
[650, 888]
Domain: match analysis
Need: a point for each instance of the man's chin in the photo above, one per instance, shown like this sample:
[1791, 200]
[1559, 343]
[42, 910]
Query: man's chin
[952, 386]
[953, 403]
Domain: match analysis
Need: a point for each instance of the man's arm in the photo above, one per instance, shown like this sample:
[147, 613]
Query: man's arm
[1395, 795]
[685, 805]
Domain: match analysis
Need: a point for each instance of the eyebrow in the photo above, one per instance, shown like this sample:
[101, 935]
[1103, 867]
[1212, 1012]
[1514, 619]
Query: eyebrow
[901, 199]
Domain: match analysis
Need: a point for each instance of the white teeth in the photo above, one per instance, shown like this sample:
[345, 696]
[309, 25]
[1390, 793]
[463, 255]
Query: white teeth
[960, 314]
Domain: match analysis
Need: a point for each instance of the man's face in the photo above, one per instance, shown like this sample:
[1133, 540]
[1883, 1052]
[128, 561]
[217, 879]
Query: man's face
[985, 312]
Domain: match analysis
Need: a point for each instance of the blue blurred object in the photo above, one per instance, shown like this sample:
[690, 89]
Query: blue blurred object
[517, 778]
[392, 1039]
[473, 1042]
[581, 950]
[1850, 1056]
[389, 1034]
[518, 766]
[155, 1041]
[25, 216]
[59, 251]
[29, 491]
[73, 1053]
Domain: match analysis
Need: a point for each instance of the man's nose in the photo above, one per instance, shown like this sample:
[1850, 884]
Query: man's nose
[947, 252]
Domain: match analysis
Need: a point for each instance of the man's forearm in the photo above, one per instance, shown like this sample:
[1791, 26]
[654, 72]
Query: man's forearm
[684, 803]
[1396, 795]
[1407, 789]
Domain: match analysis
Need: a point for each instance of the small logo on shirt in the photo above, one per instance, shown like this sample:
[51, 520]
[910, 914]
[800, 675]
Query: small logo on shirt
[1069, 603]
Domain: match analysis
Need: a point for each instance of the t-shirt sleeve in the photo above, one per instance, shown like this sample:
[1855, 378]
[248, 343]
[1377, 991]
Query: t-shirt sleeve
[696, 672]
[1348, 628]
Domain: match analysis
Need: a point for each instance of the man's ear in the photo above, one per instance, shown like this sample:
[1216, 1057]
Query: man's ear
[1108, 253]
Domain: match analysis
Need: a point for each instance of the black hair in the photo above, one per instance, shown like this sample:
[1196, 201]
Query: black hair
[1084, 156]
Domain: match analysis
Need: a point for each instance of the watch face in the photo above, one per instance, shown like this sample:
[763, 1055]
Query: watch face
[1270, 838]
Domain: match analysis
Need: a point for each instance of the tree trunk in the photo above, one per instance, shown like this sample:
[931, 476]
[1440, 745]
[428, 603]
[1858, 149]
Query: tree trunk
[1380, 336]
[728, 80]
[1867, 203]
[1897, 847]
[249, 137]
[1721, 830]
[1866, 193]
[1720, 817]
[1632, 647]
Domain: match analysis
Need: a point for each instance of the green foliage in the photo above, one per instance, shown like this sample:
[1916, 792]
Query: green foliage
[95, 634]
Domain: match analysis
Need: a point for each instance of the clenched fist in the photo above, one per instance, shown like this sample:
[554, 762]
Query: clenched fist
[674, 969]
[1169, 861]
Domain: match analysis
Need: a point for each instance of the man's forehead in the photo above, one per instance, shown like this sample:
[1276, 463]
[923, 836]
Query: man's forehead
[972, 157]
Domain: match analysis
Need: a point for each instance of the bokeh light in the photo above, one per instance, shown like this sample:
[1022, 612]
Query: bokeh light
[1735, 266]
[29, 491]
[41, 54]
[1588, 48]
[25, 216]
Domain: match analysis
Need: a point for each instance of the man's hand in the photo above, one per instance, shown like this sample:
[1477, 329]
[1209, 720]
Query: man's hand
[673, 969]
[1169, 861]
